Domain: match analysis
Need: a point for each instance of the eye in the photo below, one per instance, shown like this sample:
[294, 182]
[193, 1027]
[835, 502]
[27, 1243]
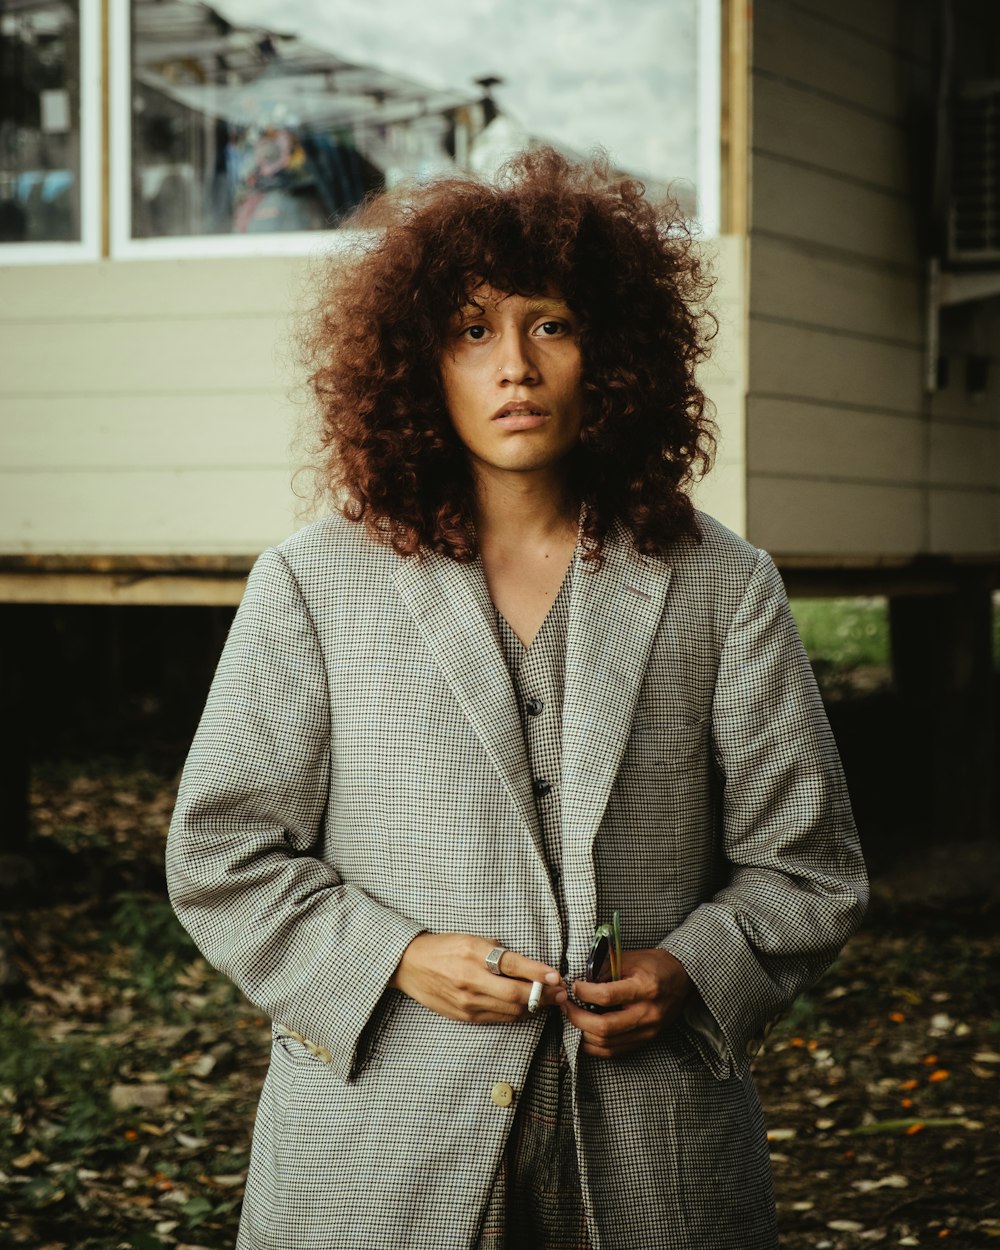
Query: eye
[549, 329]
[476, 332]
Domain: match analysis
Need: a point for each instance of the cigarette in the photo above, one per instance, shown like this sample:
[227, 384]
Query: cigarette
[535, 997]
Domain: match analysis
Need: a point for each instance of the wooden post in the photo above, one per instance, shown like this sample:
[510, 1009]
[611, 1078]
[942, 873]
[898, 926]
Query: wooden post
[15, 678]
[735, 120]
[943, 673]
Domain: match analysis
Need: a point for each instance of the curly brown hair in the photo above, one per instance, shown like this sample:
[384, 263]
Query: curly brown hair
[387, 453]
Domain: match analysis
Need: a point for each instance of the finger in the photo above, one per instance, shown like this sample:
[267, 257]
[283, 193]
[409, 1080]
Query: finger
[512, 996]
[597, 1040]
[612, 1032]
[606, 1025]
[633, 1042]
[486, 1010]
[517, 967]
[608, 993]
[521, 994]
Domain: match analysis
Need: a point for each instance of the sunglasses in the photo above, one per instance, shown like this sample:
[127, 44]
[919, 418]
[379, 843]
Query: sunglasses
[604, 963]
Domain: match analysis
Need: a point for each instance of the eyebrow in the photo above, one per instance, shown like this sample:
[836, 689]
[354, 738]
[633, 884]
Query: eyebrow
[535, 304]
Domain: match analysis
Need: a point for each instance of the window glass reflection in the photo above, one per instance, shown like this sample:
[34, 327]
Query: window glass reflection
[241, 125]
[245, 131]
[39, 121]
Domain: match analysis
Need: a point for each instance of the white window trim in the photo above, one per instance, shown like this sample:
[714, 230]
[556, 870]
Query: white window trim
[709, 114]
[89, 246]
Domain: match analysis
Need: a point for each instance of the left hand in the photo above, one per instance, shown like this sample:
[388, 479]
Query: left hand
[650, 995]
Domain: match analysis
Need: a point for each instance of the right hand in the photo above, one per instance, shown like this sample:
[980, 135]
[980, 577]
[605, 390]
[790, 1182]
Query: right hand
[447, 973]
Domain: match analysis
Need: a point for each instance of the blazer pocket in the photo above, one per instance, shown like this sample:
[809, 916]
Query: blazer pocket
[369, 1053]
[299, 1049]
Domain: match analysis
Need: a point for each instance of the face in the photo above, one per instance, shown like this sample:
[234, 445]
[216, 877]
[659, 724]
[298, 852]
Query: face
[511, 371]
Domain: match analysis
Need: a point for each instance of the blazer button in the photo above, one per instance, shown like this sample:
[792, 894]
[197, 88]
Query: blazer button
[534, 706]
[502, 1094]
[541, 787]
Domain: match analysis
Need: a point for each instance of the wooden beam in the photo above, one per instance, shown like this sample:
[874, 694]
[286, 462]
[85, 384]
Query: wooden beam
[735, 121]
[122, 588]
[130, 565]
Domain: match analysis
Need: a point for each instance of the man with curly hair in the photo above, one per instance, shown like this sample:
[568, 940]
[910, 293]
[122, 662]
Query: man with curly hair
[515, 685]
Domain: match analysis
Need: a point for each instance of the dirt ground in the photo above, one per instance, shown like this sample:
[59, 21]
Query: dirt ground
[129, 1070]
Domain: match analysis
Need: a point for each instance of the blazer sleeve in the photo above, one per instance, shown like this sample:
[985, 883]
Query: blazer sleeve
[797, 886]
[312, 952]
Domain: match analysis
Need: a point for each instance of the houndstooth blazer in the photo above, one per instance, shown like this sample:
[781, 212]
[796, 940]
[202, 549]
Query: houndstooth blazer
[359, 776]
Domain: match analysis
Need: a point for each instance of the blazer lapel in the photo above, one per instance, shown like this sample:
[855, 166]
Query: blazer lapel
[451, 606]
[614, 614]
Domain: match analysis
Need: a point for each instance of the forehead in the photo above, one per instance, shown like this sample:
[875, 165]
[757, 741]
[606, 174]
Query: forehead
[483, 297]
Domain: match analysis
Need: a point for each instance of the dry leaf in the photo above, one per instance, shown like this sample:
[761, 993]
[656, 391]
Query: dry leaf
[145, 1097]
[28, 1160]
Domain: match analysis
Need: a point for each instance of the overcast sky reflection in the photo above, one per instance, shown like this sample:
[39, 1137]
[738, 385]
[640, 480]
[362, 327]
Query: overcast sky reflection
[619, 73]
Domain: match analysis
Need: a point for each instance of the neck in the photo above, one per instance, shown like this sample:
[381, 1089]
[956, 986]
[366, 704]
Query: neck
[522, 511]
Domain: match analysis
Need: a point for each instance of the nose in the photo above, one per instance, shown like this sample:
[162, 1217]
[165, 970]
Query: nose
[517, 365]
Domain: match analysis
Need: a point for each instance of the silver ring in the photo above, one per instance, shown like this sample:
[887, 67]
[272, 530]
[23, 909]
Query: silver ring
[493, 960]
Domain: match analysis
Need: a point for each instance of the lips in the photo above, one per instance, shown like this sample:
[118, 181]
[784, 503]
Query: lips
[520, 415]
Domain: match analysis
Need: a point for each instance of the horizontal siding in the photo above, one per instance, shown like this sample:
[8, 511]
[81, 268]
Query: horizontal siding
[806, 363]
[792, 438]
[875, 20]
[237, 511]
[181, 356]
[965, 522]
[857, 145]
[792, 42]
[65, 433]
[813, 206]
[155, 289]
[802, 517]
[790, 280]
[962, 454]
[148, 407]
[846, 453]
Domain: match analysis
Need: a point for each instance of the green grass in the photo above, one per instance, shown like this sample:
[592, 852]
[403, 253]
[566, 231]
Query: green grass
[844, 633]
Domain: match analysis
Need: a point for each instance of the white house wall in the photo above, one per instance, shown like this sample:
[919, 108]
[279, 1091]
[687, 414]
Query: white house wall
[147, 407]
[151, 408]
[846, 454]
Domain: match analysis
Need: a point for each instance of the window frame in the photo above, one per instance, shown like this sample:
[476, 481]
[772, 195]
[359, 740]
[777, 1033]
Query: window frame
[88, 246]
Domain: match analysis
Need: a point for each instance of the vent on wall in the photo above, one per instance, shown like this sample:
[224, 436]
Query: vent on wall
[974, 199]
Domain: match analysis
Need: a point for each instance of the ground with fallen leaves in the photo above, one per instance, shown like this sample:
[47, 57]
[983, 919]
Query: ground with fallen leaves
[129, 1070]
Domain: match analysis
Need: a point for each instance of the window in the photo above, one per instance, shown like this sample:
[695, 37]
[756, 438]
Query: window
[49, 168]
[252, 126]
[249, 125]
